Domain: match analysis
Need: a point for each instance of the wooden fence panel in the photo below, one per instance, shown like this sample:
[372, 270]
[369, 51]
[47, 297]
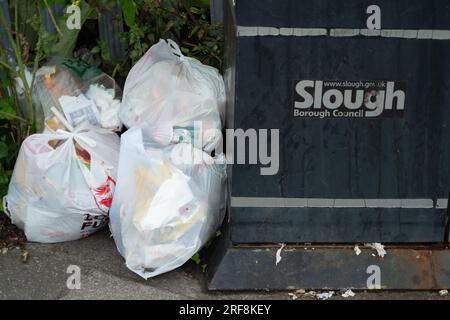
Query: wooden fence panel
[58, 10]
[110, 26]
[216, 11]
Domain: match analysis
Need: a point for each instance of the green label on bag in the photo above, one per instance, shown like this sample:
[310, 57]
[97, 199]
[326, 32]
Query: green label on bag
[186, 134]
[81, 69]
[217, 169]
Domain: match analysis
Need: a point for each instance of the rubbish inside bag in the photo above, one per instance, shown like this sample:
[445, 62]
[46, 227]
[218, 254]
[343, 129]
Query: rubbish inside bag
[63, 183]
[169, 201]
[173, 94]
[82, 93]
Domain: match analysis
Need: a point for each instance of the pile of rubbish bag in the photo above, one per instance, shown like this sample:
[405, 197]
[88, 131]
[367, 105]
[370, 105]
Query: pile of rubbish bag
[161, 184]
[80, 92]
[175, 95]
[63, 184]
[169, 200]
[64, 178]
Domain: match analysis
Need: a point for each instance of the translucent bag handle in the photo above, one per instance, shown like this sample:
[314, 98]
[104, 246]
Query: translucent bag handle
[75, 135]
[175, 49]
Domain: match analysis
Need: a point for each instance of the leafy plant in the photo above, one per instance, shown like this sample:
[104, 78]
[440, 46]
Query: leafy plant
[185, 21]
[27, 44]
[198, 258]
[16, 109]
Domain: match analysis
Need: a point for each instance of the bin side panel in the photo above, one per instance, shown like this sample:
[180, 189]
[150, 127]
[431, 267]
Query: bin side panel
[400, 158]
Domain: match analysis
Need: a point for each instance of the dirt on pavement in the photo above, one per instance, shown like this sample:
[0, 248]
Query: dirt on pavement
[10, 235]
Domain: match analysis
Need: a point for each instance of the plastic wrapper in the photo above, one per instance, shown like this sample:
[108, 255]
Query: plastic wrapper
[175, 96]
[63, 183]
[169, 201]
[82, 93]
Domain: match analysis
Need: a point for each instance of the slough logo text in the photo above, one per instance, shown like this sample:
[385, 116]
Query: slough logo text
[349, 99]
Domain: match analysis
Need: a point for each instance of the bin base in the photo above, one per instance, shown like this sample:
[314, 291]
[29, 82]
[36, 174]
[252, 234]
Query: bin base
[253, 267]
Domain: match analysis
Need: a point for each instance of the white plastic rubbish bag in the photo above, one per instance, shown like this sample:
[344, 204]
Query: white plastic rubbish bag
[63, 184]
[175, 95]
[82, 93]
[169, 201]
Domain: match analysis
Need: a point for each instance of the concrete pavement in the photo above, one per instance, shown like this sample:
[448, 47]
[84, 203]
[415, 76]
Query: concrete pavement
[105, 276]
